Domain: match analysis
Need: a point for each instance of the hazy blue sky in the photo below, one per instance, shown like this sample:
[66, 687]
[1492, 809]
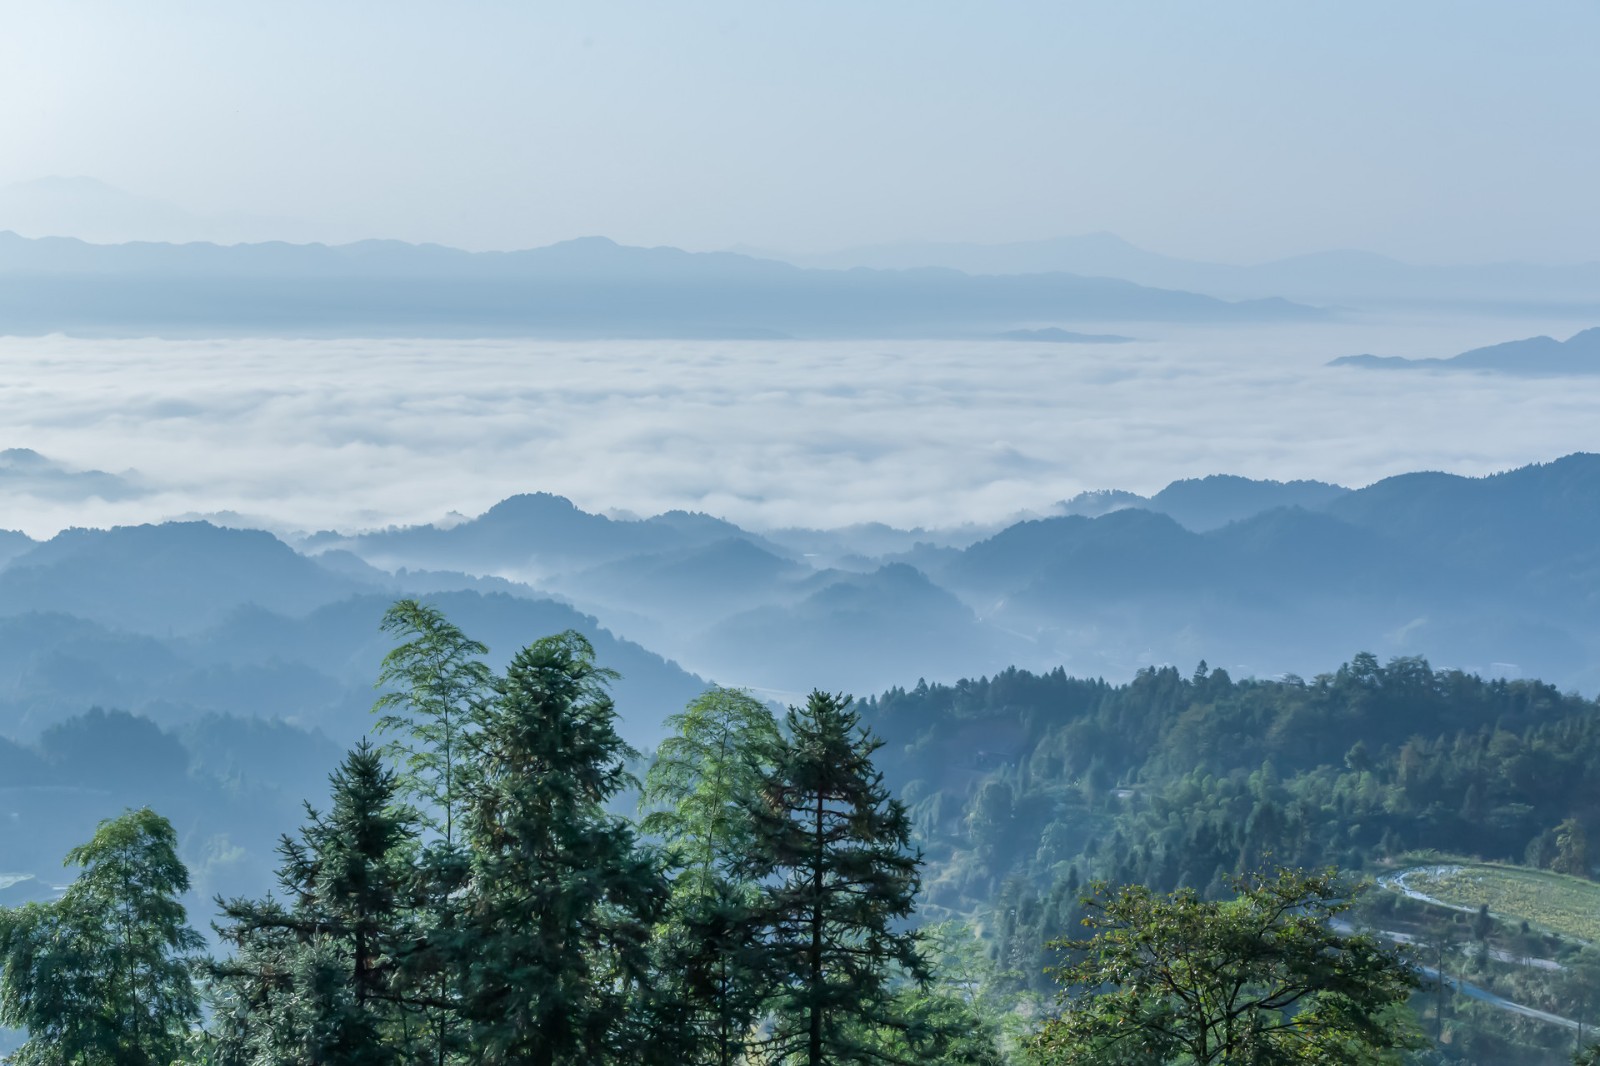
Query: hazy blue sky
[1440, 130]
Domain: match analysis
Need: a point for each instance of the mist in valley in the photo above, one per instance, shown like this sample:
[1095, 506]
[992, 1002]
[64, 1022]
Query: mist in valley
[1175, 433]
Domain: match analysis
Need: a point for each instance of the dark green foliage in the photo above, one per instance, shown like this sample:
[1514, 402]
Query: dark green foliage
[324, 978]
[1178, 779]
[561, 901]
[1262, 979]
[710, 972]
[1174, 781]
[934, 1026]
[101, 977]
[839, 880]
[112, 749]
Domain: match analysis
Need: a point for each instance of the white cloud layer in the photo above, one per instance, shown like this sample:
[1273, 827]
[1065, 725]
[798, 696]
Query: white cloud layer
[358, 433]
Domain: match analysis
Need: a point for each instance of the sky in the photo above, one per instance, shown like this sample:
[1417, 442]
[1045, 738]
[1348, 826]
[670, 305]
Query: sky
[1242, 130]
[356, 434]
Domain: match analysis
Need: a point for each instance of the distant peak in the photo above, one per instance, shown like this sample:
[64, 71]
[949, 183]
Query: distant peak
[586, 242]
[538, 508]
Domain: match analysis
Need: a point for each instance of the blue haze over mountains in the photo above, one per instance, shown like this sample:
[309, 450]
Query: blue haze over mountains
[229, 666]
[587, 287]
[1532, 357]
[593, 287]
[1470, 571]
[1337, 277]
[234, 665]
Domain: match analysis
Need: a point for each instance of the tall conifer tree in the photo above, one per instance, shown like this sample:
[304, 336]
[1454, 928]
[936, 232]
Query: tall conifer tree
[561, 900]
[834, 854]
[320, 978]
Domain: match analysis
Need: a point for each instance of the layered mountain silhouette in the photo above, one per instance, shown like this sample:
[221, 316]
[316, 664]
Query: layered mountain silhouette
[185, 619]
[533, 532]
[236, 665]
[1056, 335]
[24, 472]
[587, 287]
[1330, 277]
[1265, 574]
[1535, 356]
[1209, 502]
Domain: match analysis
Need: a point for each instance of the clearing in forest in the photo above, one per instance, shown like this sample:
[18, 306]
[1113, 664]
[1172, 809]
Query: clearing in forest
[1565, 905]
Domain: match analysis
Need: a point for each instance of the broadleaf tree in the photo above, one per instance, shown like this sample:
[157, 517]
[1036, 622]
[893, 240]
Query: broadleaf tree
[1262, 978]
[436, 681]
[436, 677]
[101, 976]
[699, 795]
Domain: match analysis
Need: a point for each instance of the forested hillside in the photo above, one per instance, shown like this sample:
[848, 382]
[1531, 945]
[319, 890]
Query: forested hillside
[1026, 788]
[1013, 809]
[1172, 780]
[215, 675]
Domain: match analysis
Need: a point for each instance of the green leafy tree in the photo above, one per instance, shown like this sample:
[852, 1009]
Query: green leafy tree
[933, 1025]
[554, 948]
[102, 975]
[959, 1017]
[965, 969]
[437, 680]
[437, 677]
[324, 980]
[839, 882]
[1259, 979]
[1572, 849]
[703, 779]
[1581, 982]
[702, 785]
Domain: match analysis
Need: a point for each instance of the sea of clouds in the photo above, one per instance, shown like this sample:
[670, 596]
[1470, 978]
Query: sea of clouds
[348, 434]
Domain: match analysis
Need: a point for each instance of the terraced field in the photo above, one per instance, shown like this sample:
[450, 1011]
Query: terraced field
[1558, 903]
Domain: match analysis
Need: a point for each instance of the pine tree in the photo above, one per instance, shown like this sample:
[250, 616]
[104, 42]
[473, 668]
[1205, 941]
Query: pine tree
[834, 854]
[702, 783]
[561, 900]
[323, 979]
[101, 977]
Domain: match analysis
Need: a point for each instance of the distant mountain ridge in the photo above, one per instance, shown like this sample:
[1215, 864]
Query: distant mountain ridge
[1317, 277]
[1498, 573]
[587, 287]
[260, 654]
[1535, 356]
[1210, 502]
[184, 618]
[25, 471]
[1263, 575]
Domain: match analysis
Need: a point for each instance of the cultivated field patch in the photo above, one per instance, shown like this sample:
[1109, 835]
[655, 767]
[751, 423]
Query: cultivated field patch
[1561, 904]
